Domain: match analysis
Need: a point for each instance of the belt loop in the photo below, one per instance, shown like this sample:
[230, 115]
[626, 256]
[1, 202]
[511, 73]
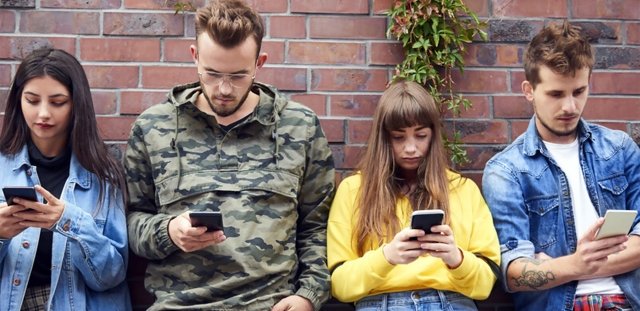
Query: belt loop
[444, 302]
[385, 298]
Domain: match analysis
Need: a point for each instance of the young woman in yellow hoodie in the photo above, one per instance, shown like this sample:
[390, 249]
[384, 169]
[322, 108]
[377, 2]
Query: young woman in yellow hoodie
[373, 258]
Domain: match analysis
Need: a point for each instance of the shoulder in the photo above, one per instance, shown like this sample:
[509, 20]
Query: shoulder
[460, 185]
[607, 142]
[512, 155]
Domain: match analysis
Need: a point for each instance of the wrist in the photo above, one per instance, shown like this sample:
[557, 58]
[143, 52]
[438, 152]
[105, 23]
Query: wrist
[457, 261]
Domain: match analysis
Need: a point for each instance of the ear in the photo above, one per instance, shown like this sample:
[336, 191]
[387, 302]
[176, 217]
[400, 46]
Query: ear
[527, 89]
[262, 59]
[194, 53]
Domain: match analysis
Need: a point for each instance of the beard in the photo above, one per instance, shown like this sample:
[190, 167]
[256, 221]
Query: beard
[225, 111]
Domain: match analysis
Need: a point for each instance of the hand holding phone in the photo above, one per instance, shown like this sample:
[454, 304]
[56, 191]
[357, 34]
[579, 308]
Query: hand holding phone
[616, 222]
[425, 219]
[211, 220]
[27, 193]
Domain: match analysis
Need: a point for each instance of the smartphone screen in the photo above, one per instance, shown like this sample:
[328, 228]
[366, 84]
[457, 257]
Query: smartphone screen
[616, 222]
[425, 219]
[27, 193]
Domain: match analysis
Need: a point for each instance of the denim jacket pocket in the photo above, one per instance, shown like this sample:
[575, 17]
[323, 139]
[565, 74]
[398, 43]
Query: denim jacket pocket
[613, 192]
[543, 213]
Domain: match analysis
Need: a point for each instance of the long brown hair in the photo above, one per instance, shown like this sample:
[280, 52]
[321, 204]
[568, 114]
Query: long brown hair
[403, 104]
[86, 143]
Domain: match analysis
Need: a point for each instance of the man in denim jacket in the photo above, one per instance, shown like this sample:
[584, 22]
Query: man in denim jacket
[550, 188]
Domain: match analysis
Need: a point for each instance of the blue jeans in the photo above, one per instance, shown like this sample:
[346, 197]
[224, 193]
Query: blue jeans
[425, 300]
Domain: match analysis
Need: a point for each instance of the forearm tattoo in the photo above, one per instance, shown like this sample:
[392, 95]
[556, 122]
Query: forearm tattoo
[531, 277]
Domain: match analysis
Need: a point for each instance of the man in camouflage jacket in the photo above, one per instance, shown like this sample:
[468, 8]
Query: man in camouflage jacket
[230, 144]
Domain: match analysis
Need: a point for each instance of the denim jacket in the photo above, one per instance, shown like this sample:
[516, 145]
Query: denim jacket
[89, 252]
[528, 195]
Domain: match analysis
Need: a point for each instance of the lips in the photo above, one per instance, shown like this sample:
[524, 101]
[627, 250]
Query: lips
[44, 125]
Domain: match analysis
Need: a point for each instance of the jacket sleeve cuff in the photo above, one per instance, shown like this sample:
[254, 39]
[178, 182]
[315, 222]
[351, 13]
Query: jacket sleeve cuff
[163, 240]
[311, 296]
[523, 249]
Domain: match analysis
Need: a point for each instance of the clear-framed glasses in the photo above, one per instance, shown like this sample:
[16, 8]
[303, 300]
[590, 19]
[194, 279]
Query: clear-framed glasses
[236, 80]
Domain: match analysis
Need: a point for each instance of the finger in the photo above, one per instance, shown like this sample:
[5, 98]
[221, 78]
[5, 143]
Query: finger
[591, 232]
[444, 229]
[47, 195]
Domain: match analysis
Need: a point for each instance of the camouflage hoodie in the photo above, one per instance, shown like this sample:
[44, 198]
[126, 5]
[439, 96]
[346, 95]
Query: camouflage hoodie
[271, 176]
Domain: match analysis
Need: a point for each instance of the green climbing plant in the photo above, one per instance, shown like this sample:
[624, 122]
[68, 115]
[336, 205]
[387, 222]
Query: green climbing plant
[434, 34]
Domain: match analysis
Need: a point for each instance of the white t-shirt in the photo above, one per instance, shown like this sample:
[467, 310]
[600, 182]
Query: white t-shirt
[584, 213]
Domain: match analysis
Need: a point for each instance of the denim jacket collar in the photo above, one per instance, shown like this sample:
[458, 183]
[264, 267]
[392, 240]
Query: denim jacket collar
[77, 174]
[533, 143]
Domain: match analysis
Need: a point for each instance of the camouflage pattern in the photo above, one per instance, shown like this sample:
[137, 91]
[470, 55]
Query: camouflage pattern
[272, 177]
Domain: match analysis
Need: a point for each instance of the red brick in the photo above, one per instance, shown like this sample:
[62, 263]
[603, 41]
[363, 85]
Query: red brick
[285, 79]
[120, 49]
[317, 102]
[115, 128]
[480, 132]
[287, 27]
[480, 81]
[7, 21]
[512, 107]
[316, 52]
[3, 102]
[330, 6]
[603, 9]
[275, 51]
[478, 157]
[386, 53]
[527, 8]
[135, 102]
[271, 6]
[616, 83]
[145, 24]
[633, 33]
[104, 102]
[80, 4]
[515, 79]
[60, 22]
[20, 47]
[358, 131]
[518, 127]
[333, 130]
[612, 108]
[155, 77]
[480, 7]
[373, 80]
[177, 50]
[347, 28]
[5, 75]
[161, 4]
[352, 155]
[112, 77]
[503, 55]
[621, 126]
[354, 105]
[479, 108]
[382, 6]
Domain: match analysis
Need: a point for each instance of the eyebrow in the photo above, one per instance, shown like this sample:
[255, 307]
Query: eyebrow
[52, 96]
[417, 129]
[209, 69]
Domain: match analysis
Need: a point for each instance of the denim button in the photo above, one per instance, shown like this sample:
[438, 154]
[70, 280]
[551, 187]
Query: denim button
[415, 295]
[16, 282]
[29, 172]
[26, 244]
[66, 226]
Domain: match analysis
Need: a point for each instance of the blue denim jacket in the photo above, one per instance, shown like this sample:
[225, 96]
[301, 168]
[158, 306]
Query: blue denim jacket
[90, 248]
[529, 198]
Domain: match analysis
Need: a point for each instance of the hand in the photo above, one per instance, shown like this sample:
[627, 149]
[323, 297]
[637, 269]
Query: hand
[592, 254]
[190, 239]
[441, 243]
[40, 215]
[293, 302]
[402, 250]
[10, 225]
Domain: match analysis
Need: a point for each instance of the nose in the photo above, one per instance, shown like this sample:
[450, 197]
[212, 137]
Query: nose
[225, 86]
[43, 111]
[410, 146]
[570, 104]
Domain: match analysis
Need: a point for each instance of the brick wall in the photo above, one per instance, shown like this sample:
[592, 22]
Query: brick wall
[331, 55]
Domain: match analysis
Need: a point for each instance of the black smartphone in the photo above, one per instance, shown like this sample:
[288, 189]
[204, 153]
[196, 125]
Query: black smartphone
[211, 220]
[27, 193]
[425, 219]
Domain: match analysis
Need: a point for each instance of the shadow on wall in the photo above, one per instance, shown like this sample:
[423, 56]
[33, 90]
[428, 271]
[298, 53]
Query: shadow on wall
[141, 299]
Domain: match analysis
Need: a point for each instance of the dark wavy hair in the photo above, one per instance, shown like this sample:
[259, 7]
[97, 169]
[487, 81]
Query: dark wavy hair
[86, 144]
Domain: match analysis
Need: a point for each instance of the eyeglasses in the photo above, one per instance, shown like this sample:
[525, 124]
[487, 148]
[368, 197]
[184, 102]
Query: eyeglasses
[236, 80]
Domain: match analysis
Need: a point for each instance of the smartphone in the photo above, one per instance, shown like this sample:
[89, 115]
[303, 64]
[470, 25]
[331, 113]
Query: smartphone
[27, 193]
[211, 220]
[425, 219]
[616, 222]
